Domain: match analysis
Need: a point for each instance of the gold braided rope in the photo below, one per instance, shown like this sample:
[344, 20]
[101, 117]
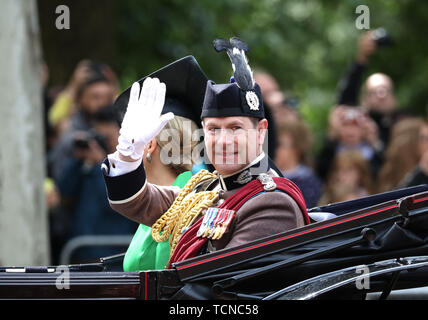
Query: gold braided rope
[184, 210]
[199, 202]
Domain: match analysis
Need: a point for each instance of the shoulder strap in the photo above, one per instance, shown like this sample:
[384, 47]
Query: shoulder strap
[190, 245]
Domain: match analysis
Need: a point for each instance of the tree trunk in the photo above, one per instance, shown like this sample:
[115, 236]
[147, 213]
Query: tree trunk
[23, 214]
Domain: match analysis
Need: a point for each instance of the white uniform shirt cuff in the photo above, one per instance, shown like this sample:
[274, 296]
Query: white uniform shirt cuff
[119, 167]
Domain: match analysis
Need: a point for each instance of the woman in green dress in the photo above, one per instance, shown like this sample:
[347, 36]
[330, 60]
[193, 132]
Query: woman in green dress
[143, 252]
[168, 158]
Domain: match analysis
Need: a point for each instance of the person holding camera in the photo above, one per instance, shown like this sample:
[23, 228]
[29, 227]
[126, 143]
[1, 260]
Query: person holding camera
[350, 128]
[378, 95]
[65, 104]
[92, 95]
[86, 210]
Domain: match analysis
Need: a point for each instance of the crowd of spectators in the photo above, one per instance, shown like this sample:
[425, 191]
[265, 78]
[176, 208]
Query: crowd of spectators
[83, 128]
[371, 145]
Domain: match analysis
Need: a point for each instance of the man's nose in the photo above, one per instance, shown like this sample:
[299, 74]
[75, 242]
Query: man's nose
[224, 139]
[224, 136]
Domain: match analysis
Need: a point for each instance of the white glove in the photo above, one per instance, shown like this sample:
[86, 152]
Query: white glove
[143, 120]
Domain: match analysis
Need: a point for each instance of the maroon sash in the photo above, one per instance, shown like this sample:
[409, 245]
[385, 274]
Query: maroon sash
[190, 245]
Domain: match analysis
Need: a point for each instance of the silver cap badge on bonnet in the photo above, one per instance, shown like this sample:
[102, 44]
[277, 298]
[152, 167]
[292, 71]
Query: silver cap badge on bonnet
[252, 100]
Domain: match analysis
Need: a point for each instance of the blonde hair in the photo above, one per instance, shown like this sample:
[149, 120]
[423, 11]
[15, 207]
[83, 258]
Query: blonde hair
[179, 132]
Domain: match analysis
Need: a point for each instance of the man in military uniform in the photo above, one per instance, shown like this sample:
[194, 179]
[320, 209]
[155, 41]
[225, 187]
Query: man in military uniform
[234, 128]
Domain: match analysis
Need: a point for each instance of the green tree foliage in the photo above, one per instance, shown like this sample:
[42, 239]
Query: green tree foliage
[306, 44]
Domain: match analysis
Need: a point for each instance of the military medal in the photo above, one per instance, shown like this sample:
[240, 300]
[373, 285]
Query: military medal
[206, 223]
[208, 231]
[223, 224]
[218, 231]
[215, 223]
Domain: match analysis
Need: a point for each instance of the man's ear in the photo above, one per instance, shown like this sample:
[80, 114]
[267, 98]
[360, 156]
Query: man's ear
[262, 127]
[263, 124]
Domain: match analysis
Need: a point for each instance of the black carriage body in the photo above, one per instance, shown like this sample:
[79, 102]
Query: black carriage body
[367, 231]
